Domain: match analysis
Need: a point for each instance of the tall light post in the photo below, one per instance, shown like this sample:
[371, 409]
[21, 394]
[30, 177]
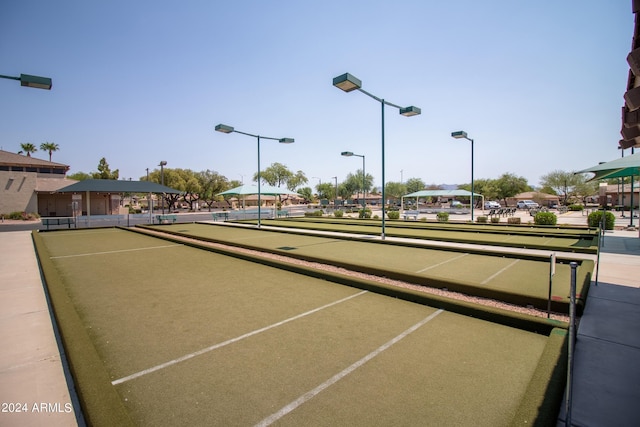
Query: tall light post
[348, 83]
[463, 135]
[162, 164]
[31, 81]
[229, 129]
[364, 179]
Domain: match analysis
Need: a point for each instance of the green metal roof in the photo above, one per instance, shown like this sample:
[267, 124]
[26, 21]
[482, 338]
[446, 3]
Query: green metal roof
[115, 186]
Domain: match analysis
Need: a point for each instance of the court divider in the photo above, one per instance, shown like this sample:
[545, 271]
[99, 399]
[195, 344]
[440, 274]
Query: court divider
[584, 278]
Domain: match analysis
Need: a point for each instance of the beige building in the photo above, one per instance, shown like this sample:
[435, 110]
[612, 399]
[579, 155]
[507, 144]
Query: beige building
[28, 185]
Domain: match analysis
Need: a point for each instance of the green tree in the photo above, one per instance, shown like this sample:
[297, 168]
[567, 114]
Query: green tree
[487, 187]
[28, 148]
[358, 183]
[50, 147]
[79, 176]
[565, 184]
[230, 184]
[296, 180]
[211, 183]
[275, 175]
[173, 180]
[191, 186]
[306, 193]
[326, 190]
[104, 172]
[508, 185]
[414, 184]
[395, 190]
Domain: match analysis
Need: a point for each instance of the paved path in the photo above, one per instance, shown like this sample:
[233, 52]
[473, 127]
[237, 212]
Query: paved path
[606, 375]
[33, 386]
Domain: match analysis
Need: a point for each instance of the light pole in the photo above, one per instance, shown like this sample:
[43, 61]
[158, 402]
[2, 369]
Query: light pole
[348, 83]
[162, 164]
[463, 135]
[335, 197]
[364, 179]
[229, 129]
[31, 81]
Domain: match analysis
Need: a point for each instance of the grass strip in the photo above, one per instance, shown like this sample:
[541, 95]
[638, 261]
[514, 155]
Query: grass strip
[541, 402]
[101, 404]
[492, 314]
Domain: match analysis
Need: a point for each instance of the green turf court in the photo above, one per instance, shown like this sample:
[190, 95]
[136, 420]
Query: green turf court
[161, 333]
[565, 239]
[514, 278]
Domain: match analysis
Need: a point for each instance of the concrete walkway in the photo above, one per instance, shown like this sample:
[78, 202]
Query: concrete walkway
[606, 383]
[606, 387]
[33, 385]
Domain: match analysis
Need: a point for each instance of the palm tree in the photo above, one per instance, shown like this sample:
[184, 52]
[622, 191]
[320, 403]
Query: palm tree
[28, 148]
[50, 147]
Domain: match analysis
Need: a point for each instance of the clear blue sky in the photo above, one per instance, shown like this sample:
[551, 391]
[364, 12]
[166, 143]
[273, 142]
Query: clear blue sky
[538, 85]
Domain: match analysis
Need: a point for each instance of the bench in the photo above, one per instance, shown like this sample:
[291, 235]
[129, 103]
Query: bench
[410, 214]
[220, 215]
[58, 221]
[282, 213]
[164, 219]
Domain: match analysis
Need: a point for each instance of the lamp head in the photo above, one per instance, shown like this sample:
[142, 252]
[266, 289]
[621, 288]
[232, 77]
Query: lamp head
[224, 128]
[459, 134]
[347, 82]
[35, 81]
[347, 153]
[410, 111]
[286, 140]
[163, 163]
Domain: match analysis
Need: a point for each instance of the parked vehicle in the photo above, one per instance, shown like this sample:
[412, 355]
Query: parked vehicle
[491, 205]
[527, 204]
[456, 204]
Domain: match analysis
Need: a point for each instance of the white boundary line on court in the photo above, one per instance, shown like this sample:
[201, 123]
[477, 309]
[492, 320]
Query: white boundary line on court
[485, 281]
[312, 393]
[231, 341]
[443, 262]
[116, 252]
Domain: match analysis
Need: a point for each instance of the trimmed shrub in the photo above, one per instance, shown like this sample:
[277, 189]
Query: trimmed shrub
[495, 219]
[338, 213]
[482, 219]
[393, 214]
[314, 213]
[513, 220]
[545, 218]
[22, 216]
[575, 207]
[595, 220]
[443, 216]
[364, 213]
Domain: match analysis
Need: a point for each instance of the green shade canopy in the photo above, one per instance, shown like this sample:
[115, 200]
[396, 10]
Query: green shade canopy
[116, 186]
[624, 166]
[253, 189]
